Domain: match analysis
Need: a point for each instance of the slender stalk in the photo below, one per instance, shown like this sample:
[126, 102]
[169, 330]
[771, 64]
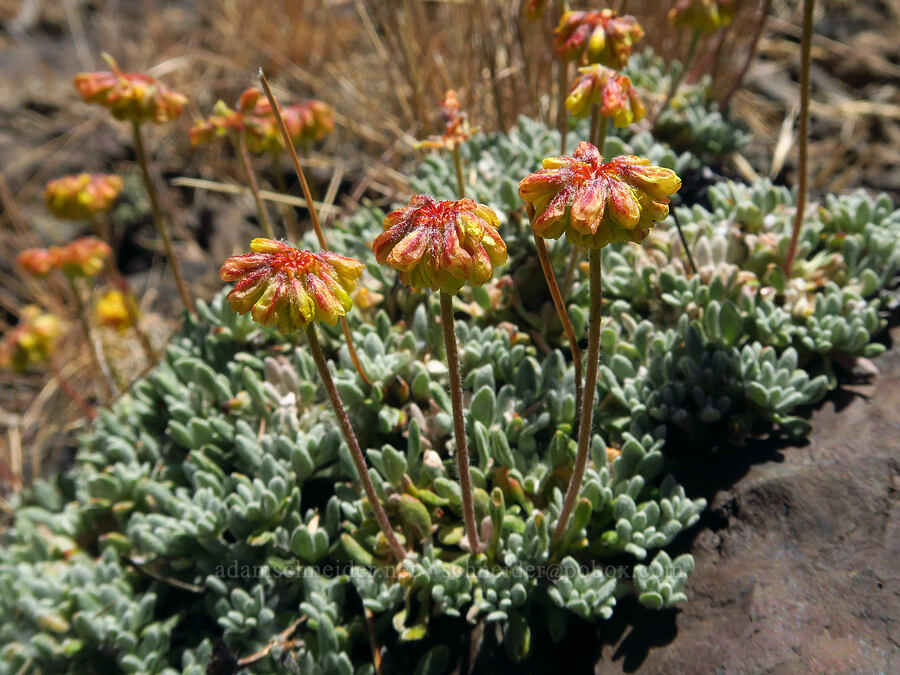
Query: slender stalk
[587, 402]
[739, 80]
[290, 218]
[311, 206]
[802, 167]
[459, 424]
[560, 306]
[623, 5]
[121, 283]
[158, 217]
[241, 147]
[673, 86]
[460, 179]
[599, 125]
[358, 459]
[109, 388]
[373, 641]
[69, 389]
[684, 244]
[562, 115]
[570, 270]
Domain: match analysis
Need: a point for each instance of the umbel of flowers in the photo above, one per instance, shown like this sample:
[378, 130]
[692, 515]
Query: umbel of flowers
[594, 203]
[293, 289]
[139, 98]
[133, 97]
[611, 91]
[588, 37]
[80, 259]
[31, 342]
[701, 16]
[443, 245]
[84, 257]
[706, 16]
[82, 196]
[86, 197]
[600, 36]
[456, 132]
[307, 121]
[606, 95]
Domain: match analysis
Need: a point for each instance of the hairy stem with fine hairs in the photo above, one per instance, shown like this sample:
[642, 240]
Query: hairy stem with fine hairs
[802, 146]
[311, 206]
[355, 451]
[459, 424]
[587, 401]
[264, 222]
[158, 219]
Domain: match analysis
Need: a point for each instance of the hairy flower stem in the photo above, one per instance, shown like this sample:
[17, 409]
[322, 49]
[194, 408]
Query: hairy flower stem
[121, 283]
[158, 219]
[560, 305]
[802, 168]
[109, 388]
[684, 244]
[676, 81]
[358, 459]
[241, 147]
[459, 424]
[587, 402]
[561, 115]
[311, 206]
[460, 179]
[290, 218]
[599, 125]
[570, 271]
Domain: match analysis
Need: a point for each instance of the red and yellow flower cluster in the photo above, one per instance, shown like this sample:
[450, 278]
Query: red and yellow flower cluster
[706, 16]
[599, 36]
[288, 287]
[595, 203]
[84, 257]
[441, 245]
[611, 91]
[130, 96]
[306, 122]
[31, 342]
[114, 310]
[82, 196]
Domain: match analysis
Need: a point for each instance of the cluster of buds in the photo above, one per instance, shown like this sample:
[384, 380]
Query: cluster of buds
[82, 196]
[130, 96]
[705, 16]
[441, 245]
[611, 91]
[290, 288]
[113, 312]
[599, 36]
[456, 126]
[83, 257]
[31, 342]
[306, 122]
[595, 203]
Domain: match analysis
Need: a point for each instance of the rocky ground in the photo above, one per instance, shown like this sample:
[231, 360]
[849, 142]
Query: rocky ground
[796, 559]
